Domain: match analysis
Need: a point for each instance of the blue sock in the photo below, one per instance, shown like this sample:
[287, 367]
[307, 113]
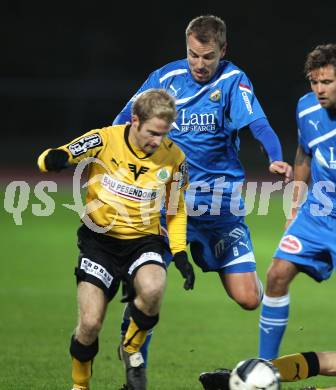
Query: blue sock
[145, 346]
[123, 329]
[272, 325]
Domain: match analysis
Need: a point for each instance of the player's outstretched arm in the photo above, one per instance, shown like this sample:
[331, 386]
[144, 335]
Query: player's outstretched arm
[87, 145]
[263, 132]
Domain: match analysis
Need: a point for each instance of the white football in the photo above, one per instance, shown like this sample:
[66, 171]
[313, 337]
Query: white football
[255, 374]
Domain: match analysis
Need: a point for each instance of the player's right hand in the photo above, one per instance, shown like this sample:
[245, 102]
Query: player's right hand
[184, 266]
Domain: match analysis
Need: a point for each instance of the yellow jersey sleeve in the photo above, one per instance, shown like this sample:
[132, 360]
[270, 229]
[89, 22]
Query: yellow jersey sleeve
[41, 161]
[88, 145]
[177, 225]
[176, 216]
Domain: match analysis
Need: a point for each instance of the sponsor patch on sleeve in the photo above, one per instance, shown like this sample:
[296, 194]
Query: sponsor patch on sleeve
[82, 145]
[245, 87]
[183, 175]
[290, 244]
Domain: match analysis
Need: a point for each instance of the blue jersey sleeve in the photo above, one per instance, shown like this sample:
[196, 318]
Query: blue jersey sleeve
[263, 132]
[244, 107]
[301, 138]
[126, 113]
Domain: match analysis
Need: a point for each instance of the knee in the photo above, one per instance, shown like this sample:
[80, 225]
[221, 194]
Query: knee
[249, 301]
[89, 327]
[149, 284]
[150, 303]
[249, 296]
[151, 296]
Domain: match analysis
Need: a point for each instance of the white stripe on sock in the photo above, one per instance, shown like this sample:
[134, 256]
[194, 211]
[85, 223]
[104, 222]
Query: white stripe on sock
[276, 301]
[268, 324]
[274, 323]
[267, 319]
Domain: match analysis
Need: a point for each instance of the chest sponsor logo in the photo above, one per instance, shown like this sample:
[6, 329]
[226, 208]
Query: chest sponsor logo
[332, 162]
[196, 121]
[128, 191]
[137, 173]
[82, 145]
[290, 244]
[324, 161]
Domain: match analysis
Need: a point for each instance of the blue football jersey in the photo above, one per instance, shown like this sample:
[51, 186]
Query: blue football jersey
[317, 137]
[209, 118]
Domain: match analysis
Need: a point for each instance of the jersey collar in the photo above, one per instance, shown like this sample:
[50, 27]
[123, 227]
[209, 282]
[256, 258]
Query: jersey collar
[126, 137]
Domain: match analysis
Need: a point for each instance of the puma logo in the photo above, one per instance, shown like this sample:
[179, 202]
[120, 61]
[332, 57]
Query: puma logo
[266, 330]
[174, 90]
[244, 244]
[115, 162]
[314, 124]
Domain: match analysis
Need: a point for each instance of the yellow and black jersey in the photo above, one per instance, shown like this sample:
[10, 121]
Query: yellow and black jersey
[130, 185]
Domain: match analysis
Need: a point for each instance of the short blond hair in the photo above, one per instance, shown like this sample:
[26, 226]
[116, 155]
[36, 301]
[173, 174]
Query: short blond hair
[155, 103]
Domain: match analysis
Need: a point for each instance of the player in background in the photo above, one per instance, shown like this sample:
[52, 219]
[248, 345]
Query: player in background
[134, 166]
[301, 248]
[215, 100]
[292, 368]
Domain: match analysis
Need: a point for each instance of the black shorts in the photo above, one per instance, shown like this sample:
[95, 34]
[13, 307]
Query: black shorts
[105, 261]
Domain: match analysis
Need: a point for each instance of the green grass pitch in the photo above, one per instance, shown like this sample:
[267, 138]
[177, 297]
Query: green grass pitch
[199, 330]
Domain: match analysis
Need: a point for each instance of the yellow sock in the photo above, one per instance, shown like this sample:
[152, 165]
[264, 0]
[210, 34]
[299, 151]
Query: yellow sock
[134, 337]
[81, 373]
[292, 367]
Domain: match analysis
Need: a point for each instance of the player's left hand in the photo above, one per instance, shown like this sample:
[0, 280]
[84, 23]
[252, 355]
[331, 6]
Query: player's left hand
[184, 266]
[282, 168]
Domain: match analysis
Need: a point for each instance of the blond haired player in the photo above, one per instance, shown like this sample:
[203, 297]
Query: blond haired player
[133, 168]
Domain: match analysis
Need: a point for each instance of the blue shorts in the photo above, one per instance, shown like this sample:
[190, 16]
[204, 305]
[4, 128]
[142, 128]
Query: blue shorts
[310, 243]
[217, 244]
